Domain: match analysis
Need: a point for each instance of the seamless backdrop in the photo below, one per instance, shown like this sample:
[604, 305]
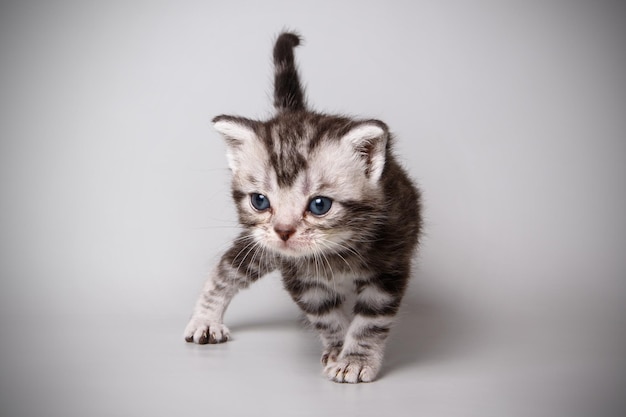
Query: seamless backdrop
[114, 204]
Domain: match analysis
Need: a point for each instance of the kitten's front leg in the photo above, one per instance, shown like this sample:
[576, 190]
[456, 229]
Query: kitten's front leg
[238, 267]
[321, 303]
[206, 323]
[332, 327]
[363, 349]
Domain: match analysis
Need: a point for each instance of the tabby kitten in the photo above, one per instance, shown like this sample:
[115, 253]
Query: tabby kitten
[321, 199]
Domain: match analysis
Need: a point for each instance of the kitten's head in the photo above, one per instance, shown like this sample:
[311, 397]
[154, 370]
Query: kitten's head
[306, 184]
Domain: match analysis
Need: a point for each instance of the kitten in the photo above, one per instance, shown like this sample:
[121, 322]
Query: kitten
[321, 199]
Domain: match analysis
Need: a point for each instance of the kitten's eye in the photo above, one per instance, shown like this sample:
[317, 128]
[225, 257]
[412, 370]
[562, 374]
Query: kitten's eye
[320, 205]
[259, 201]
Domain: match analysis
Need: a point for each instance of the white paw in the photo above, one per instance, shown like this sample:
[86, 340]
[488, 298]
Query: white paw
[330, 355]
[203, 331]
[352, 369]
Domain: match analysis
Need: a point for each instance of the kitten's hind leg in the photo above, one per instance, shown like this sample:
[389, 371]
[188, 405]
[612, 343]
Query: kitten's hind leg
[236, 270]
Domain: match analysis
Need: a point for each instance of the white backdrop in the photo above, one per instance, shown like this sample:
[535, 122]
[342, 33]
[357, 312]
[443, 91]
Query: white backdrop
[114, 192]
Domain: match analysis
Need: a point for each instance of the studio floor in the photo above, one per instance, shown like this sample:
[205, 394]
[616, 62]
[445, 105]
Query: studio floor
[439, 363]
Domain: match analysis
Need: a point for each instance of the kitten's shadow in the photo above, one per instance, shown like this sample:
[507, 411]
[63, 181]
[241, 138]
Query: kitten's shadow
[428, 330]
[267, 323]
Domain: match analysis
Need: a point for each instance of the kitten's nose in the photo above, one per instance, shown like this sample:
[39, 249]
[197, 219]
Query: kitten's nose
[284, 232]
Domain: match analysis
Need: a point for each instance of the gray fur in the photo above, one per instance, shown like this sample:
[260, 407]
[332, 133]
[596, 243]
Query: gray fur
[363, 245]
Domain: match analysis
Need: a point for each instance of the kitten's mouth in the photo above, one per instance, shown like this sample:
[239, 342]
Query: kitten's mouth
[294, 247]
[303, 246]
[291, 248]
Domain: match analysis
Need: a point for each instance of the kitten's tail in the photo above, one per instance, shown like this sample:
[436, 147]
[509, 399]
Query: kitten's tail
[288, 93]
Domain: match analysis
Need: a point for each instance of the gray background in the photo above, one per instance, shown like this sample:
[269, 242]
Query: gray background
[115, 203]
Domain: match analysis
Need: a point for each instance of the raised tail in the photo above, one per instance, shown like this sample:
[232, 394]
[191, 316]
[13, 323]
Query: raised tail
[288, 93]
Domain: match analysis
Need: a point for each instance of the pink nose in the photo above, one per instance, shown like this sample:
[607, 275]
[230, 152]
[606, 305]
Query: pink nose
[284, 232]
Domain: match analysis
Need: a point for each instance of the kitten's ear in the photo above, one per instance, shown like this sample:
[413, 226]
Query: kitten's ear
[237, 131]
[369, 140]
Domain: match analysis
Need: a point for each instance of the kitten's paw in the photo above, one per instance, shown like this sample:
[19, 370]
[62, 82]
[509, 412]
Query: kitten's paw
[203, 331]
[330, 355]
[352, 369]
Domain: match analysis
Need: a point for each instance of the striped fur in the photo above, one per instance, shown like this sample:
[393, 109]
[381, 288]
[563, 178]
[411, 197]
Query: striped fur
[360, 246]
[288, 94]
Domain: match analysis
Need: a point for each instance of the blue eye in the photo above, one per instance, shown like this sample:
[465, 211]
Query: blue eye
[259, 201]
[320, 205]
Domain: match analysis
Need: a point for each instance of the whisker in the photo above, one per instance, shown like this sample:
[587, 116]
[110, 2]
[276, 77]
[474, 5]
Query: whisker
[328, 244]
[250, 247]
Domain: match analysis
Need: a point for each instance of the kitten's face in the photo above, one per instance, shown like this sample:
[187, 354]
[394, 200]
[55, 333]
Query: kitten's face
[300, 196]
